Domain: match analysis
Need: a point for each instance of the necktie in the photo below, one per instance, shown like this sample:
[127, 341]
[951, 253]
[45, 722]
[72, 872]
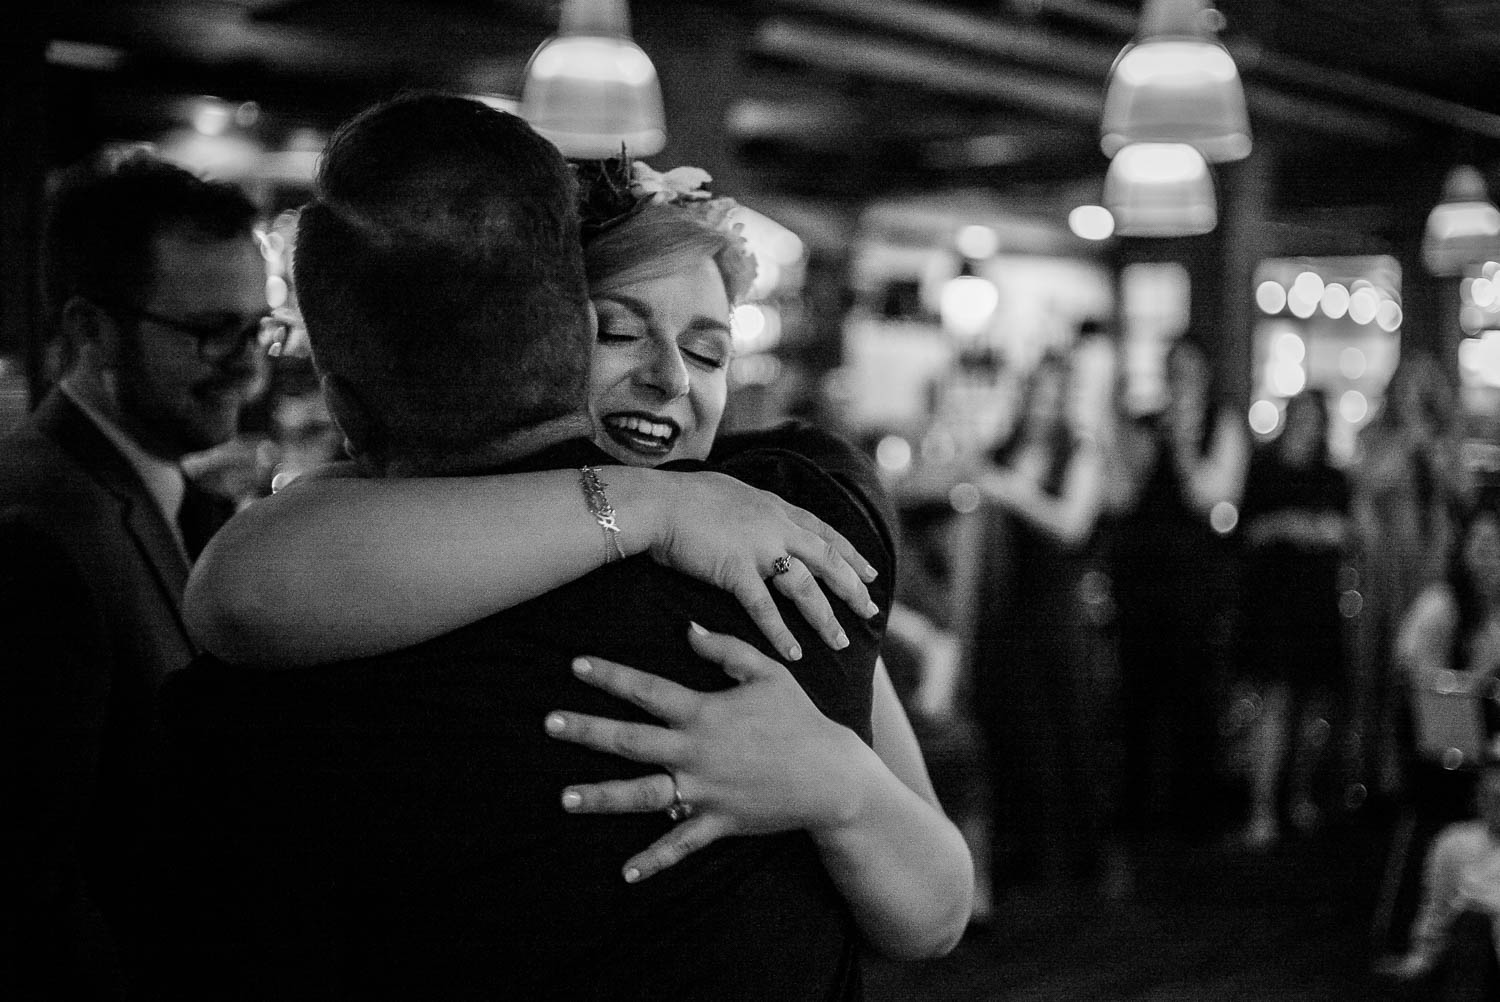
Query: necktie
[199, 517]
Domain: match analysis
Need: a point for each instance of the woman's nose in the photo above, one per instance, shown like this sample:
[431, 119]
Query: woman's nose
[665, 371]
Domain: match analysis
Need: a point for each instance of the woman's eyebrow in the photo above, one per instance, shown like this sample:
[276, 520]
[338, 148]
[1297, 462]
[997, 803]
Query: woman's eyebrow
[630, 303]
[703, 322]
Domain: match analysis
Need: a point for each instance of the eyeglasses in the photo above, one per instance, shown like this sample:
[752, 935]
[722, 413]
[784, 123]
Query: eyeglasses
[216, 342]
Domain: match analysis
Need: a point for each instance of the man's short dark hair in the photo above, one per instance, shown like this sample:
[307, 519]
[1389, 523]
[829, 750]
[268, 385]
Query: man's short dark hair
[102, 222]
[438, 269]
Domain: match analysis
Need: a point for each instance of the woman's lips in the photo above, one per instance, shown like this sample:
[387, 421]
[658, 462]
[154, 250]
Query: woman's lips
[646, 434]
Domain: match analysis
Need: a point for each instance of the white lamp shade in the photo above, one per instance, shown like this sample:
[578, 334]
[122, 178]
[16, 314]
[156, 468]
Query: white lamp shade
[1464, 228]
[1176, 84]
[1176, 90]
[1160, 190]
[591, 94]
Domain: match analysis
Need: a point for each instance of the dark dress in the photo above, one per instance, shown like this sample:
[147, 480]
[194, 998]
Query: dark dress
[390, 828]
[1292, 629]
[1174, 589]
[1036, 656]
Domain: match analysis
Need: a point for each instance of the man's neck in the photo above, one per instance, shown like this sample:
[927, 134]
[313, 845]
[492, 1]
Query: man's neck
[494, 454]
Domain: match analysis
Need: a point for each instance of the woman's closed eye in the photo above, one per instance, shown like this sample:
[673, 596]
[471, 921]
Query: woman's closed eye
[708, 357]
[710, 347]
[619, 329]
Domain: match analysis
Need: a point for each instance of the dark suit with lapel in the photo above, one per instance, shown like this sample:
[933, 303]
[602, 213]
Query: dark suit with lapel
[91, 581]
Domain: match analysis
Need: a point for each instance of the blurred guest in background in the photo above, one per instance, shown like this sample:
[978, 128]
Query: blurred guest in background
[158, 292]
[1406, 476]
[1455, 942]
[1294, 525]
[1032, 643]
[924, 654]
[1170, 572]
[1449, 640]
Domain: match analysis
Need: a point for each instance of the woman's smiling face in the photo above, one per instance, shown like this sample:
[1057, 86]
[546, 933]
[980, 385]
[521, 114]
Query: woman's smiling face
[660, 375]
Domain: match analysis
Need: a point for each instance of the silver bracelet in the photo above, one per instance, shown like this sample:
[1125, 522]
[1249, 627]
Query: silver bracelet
[602, 510]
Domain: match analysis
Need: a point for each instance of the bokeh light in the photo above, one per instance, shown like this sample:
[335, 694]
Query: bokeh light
[1363, 304]
[1264, 417]
[1335, 301]
[1091, 222]
[1353, 406]
[893, 453]
[1270, 297]
[1224, 517]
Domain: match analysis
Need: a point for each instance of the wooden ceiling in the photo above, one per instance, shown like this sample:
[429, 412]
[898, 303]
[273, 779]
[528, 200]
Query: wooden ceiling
[833, 100]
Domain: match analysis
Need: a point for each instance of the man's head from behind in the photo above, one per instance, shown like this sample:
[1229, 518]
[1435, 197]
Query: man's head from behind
[439, 272]
[155, 284]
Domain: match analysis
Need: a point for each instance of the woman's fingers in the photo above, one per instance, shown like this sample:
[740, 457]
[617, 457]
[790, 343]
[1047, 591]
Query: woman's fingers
[644, 795]
[637, 742]
[841, 546]
[662, 698]
[752, 593]
[641, 795]
[834, 561]
[798, 584]
[740, 661]
[675, 846]
[832, 566]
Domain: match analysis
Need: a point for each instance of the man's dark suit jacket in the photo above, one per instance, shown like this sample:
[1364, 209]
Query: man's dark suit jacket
[91, 581]
[391, 827]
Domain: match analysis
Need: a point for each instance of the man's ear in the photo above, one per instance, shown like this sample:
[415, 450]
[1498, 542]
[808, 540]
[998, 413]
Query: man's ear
[95, 336]
[362, 436]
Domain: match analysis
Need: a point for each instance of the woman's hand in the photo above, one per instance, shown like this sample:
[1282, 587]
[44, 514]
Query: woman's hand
[716, 529]
[752, 759]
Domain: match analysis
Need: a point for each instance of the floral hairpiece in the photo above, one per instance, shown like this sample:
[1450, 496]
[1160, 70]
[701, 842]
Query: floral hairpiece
[614, 190]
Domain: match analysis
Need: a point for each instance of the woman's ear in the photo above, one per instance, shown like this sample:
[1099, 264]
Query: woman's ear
[362, 438]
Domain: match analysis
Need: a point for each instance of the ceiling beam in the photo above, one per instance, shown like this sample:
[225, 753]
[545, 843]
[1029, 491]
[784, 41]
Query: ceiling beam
[873, 57]
[1261, 67]
[1062, 99]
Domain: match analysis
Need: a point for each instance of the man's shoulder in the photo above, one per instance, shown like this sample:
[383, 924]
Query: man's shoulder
[799, 438]
[819, 471]
[42, 485]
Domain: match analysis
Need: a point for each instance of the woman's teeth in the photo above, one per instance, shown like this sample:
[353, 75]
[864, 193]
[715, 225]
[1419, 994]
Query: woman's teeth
[644, 427]
[639, 433]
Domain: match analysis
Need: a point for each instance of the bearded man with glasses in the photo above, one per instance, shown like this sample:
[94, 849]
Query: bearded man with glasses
[157, 292]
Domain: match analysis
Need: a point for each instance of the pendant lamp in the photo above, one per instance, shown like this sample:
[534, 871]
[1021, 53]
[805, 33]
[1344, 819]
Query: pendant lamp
[1160, 190]
[1464, 228]
[590, 89]
[1176, 84]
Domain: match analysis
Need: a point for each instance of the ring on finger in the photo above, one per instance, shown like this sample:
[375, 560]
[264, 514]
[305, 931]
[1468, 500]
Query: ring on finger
[781, 564]
[679, 809]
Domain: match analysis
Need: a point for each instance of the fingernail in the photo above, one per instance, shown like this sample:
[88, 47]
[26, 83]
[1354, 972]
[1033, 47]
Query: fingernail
[871, 610]
[581, 666]
[554, 723]
[571, 799]
[697, 629]
[632, 875]
[870, 573]
[794, 653]
[841, 641]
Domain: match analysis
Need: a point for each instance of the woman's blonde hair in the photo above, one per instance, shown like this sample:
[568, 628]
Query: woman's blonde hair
[662, 239]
